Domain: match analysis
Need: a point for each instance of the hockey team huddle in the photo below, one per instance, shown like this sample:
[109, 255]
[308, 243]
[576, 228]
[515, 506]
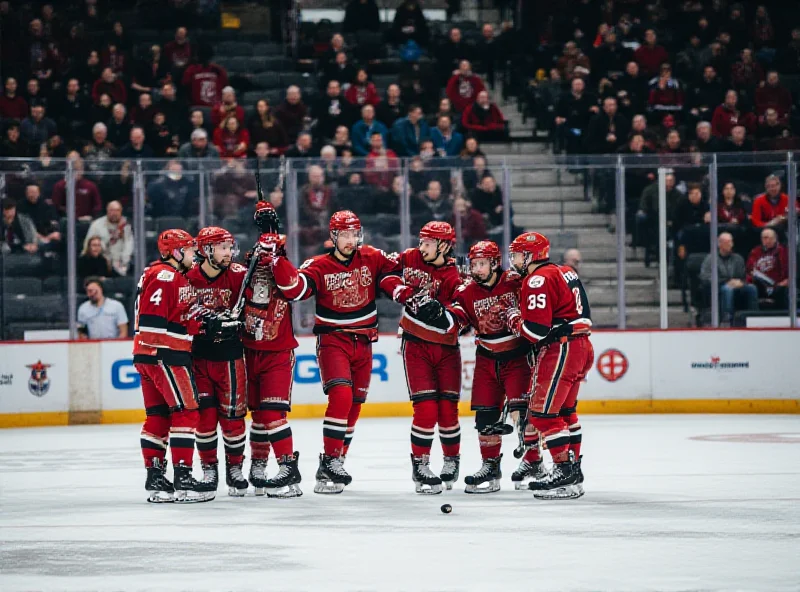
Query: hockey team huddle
[214, 339]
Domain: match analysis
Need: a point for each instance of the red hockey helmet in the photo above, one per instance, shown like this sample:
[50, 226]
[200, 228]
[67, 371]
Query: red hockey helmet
[344, 220]
[172, 242]
[486, 250]
[440, 231]
[214, 235]
[533, 245]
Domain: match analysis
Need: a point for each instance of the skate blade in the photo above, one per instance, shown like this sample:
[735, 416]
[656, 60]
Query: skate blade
[448, 485]
[560, 493]
[284, 492]
[328, 488]
[491, 487]
[521, 485]
[427, 489]
[161, 497]
[259, 491]
[233, 492]
[194, 497]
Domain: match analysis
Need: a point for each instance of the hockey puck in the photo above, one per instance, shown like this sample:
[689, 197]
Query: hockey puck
[446, 508]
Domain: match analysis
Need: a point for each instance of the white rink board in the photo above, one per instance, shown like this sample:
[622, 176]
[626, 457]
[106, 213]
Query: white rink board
[20, 392]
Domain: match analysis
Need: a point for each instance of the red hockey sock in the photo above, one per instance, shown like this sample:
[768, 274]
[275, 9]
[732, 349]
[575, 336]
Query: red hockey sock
[352, 418]
[575, 437]
[279, 432]
[334, 426]
[259, 439]
[555, 436]
[422, 427]
[533, 455]
[181, 436]
[490, 446]
[154, 438]
[234, 435]
[449, 428]
[206, 436]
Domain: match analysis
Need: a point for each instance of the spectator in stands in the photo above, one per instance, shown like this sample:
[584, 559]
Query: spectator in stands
[172, 194]
[109, 84]
[768, 269]
[12, 105]
[470, 221]
[332, 111]
[87, 197]
[705, 142]
[410, 24]
[111, 57]
[92, 262]
[666, 95]
[690, 219]
[451, 52]
[730, 211]
[705, 96]
[611, 58]
[487, 198]
[101, 317]
[608, 130]
[572, 258]
[339, 70]
[633, 91]
[382, 163]
[771, 129]
[136, 147]
[484, 120]
[87, 71]
[408, 132]
[728, 115]
[232, 140]
[13, 145]
[163, 138]
[572, 116]
[361, 15]
[646, 231]
[650, 55]
[430, 205]
[19, 231]
[265, 127]
[639, 127]
[361, 91]
[573, 63]
[734, 293]
[116, 235]
[267, 166]
[738, 142]
[341, 141]
[445, 109]
[771, 207]
[173, 108]
[790, 57]
[119, 129]
[773, 95]
[392, 108]
[446, 141]
[151, 72]
[37, 129]
[142, 114]
[204, 80]
[303, 147]
[34, 94]
[178, 52]
[292, 113]
[489, 51]
[362, 131]
[746, 74]
[315, 205]
[198, 148]
[472, 176]
[228, 107]
[73, 113]
[463, 87]
[44, 218]
[98, 149]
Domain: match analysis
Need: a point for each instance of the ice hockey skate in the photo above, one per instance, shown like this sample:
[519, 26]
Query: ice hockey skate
[188, 490]
[285, 483]
[450, 469]
[526, 472]
[157, 485]
[211, 475]
[258, 476]
[425, 480]
[487, 479]
[331, 476]
[560, 483]
[234, 479]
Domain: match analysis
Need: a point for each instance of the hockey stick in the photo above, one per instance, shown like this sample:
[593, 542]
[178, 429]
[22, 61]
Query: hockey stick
[519, 451]
[501, 428]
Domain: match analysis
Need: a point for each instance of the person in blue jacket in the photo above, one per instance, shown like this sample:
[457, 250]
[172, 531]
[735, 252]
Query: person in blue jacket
[446, 141]
[362, 131]
[408, 132]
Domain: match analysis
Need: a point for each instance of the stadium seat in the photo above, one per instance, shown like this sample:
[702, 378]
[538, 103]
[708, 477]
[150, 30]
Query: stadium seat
[267, 80]
[21, 286]
[54, 284]
[268, 49]
[234, 48]
[22, 264]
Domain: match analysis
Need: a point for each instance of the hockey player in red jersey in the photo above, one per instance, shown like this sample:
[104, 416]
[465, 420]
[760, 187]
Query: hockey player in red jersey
[218, 365]
[554, 315]
[166, 318]
[431, 356]
[344, 282]
[269, 354]
[502, 372]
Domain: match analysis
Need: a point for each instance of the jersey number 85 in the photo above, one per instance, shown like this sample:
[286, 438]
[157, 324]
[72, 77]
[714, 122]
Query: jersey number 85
[537, 301]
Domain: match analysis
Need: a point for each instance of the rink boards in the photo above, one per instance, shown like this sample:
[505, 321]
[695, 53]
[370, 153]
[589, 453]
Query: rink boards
[683, 371]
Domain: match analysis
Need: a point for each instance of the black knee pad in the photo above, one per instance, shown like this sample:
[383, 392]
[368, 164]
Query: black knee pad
[158, 410]
[485, 418]
[567, 411]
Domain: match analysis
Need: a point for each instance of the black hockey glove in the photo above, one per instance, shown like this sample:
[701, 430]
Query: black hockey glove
[220, 327]
[432, 313]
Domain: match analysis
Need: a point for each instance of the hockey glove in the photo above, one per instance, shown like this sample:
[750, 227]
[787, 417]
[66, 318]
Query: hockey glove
[433, 313]
[402, 293]
[418, 299]
[514, 320]
[220, 327]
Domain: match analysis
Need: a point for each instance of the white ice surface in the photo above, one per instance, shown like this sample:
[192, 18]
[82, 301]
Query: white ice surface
[662, 512]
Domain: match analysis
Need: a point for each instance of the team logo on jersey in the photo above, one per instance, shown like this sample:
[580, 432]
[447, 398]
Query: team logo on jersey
[213, 298]
[348, 287]
[39, 382]
[165, 275]
[536, 281]
[612, 365]
[489, 312]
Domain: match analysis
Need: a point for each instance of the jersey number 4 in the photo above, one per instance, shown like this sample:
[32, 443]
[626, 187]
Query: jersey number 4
[537, 301]
[156, 297]
[578, 301]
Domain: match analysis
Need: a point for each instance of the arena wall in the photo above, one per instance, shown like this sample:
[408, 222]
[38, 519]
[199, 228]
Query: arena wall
[735, 371]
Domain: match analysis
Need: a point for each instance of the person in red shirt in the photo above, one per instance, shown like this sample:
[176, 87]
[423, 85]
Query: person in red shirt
[727, 116]
[88, 203]
[463, 87]
[12, 106]
[232, 140]
[179, 52]
[228, 107]
[483, 119]
[770, 208]
[555, 317]
[110, 85]
[773, 95]
[362, 92]
[767, 268]
[205, 80]
[650, 55]
[382, 163]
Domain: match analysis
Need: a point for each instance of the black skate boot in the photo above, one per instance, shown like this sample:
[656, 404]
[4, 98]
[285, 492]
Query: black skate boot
[157, 485]
[284, 484]
[258, 476]
[560, 483]
[234, 479]
[578, 468]
[210, 476]
[188, 490]
[489, 474]
[331, 476]
[527, 471]
[450, 468]
[425, 480]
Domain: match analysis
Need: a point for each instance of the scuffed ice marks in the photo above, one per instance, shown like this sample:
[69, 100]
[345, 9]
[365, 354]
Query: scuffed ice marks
[65, 558]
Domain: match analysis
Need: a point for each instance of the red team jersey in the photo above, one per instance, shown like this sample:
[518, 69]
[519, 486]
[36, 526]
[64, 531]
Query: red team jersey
[267, 315]
[442, 283]
[217, 294]
[162, 327]
[553, 304]
[344, 292]
[484, 309]
[205, 84]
